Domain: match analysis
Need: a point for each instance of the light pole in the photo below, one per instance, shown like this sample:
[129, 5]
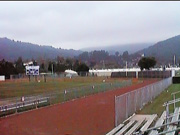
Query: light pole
[52, 68]
[126, 68]
[174, 60]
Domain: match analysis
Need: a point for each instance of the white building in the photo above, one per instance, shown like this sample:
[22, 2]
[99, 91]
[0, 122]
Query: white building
[107, 72]
[2, 78]
[70, 73]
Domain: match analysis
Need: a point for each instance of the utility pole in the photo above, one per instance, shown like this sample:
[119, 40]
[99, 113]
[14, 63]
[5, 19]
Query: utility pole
[174, 60]
[126, 68]
[103, 65]
[52, 68]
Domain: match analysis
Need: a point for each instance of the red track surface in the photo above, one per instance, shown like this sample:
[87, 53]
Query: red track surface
[93, 115]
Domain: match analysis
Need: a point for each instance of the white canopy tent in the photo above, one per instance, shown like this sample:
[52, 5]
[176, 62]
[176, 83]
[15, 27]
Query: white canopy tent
[70, 73]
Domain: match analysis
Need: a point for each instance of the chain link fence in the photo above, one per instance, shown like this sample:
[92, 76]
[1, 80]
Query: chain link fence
[77, 92]
[14, 105]
[129, 103]
[47, 75]
[142, 74]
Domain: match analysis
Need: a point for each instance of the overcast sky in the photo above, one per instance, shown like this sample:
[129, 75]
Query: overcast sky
[88, 24]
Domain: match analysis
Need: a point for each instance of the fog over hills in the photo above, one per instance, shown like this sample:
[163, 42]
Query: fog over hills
[131, 48]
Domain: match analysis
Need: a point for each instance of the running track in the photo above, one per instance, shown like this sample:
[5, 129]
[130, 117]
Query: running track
[93, 115]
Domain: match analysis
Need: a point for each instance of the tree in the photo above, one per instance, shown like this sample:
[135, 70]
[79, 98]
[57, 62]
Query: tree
[76, 65]
[7, 69]
[42, 67]
[60, 68]
[117, 54]
[82, 68]
[50, 65]
[69, 63]
[125, 55]
[60, 60]
[92, 63]
[84, 56]
[147, 62]
[35, 63]
[19, 65]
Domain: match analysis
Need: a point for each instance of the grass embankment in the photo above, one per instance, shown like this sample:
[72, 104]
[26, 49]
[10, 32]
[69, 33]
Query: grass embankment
[156, 107]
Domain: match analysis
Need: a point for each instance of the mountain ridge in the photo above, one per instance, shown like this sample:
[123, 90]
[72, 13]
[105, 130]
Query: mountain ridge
[164, 50]
[11, 50]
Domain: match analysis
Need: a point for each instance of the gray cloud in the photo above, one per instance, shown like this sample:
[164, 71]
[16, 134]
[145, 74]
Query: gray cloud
[84, 24]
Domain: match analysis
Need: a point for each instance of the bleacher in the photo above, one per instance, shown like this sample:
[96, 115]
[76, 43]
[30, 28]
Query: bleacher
[17, 105]
[166, 124]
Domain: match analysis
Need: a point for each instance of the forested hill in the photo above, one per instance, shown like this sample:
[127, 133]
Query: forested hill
[11, 50]
[164, 50]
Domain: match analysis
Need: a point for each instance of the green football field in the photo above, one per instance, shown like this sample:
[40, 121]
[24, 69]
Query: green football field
[22, 87]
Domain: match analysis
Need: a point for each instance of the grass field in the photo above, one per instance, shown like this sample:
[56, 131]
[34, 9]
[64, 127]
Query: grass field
[12, 90]
[156, 107]
[23, 87]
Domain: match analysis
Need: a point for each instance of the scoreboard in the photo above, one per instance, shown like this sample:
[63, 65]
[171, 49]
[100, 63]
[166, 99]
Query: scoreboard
[32, 70]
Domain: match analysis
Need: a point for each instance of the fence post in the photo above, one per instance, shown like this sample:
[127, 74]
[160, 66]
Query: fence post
[115, 112]
[127, 105]
[36, 102]
[75, 93]
[167, 113]
[136, 74]
[174, 96]
[50, 98]
[84, 90]
[135, 100]
[16, 105]
[64, 95]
